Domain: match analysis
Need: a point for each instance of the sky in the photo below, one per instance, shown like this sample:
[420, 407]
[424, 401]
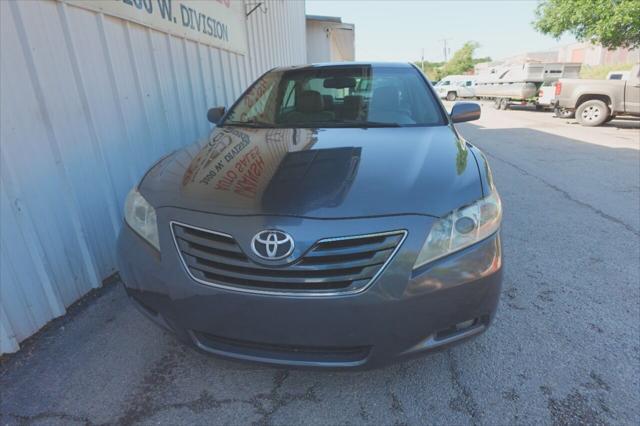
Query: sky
[399, 30]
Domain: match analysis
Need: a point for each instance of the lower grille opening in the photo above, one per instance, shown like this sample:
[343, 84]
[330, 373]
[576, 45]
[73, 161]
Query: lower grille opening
[310, 354]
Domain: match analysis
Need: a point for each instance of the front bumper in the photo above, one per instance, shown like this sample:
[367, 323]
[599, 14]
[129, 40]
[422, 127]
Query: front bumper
[402, 314]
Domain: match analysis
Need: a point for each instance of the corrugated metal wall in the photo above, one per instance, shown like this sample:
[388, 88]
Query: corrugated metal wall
[87, 103]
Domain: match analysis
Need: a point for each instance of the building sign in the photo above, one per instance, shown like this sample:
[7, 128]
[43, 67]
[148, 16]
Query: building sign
[218, 23]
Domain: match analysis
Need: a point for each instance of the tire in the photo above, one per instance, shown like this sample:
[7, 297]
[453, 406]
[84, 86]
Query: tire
[592, 113]
[539, 107]
[452, 96]
[496, 103]
[504, 103]
[563, 113]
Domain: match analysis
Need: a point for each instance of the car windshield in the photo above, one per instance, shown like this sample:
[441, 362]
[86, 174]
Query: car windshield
[350, 96]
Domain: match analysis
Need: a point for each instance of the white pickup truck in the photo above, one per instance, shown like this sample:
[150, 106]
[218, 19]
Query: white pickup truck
[452, 87]
[597, 101]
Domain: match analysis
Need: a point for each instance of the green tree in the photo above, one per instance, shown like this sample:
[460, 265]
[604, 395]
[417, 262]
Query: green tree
[430, 68]
[480, 60]
[461, 61]
[611, 23]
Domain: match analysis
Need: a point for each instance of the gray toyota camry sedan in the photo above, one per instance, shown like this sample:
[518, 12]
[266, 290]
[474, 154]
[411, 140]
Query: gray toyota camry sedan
[334, 217]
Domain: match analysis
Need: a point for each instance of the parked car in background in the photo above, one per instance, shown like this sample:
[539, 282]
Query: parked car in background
[453, 87]
[333, 218]
[597, 101]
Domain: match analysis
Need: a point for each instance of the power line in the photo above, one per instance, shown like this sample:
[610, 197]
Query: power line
[444, 48]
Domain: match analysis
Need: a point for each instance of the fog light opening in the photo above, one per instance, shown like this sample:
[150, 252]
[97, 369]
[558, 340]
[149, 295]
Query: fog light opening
[465, 324]
[458, 328]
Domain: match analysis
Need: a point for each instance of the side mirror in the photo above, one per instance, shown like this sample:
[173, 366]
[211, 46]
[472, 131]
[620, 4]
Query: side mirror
[465, 111]
[215, 114]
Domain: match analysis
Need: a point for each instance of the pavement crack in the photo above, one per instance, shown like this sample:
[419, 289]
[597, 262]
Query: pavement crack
[142, 406]
[67, 419]
[597, 382]
[464, 401]
[155, 381]
[363, 413]
[277, 400]
[566, 195]
[575, 409]
[396, 405]
[205, 402]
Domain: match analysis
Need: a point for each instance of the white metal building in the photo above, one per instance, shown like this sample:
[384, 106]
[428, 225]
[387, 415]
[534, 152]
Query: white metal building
[91, 94]
[329, 39]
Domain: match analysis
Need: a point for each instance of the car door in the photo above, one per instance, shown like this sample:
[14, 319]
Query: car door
[469, 89]
[443, 88]
[632, 92]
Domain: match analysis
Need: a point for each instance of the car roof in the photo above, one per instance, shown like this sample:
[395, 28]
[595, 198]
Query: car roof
[345, 64]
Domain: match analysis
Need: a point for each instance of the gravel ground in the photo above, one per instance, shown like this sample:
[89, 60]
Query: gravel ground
[565, 348]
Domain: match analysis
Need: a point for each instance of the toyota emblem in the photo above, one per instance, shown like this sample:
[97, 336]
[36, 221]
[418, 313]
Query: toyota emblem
[272, 244]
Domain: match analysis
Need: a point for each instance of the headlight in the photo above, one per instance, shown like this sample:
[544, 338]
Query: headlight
[141, 217]
[461, 229]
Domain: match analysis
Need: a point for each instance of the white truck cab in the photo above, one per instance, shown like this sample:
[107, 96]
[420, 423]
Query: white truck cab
[618, 75]
[452, 87]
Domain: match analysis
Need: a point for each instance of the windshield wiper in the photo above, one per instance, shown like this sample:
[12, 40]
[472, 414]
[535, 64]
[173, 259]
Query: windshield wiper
[312, 124]
[251, 123]
[350, 123]
[376, 124]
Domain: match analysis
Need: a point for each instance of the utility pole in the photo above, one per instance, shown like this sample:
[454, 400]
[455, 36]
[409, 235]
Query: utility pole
[444, 48]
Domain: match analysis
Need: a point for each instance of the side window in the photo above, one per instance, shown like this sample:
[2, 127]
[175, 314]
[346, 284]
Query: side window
[469, 83]
[446, 83]
[258, 109]
[289, 97]
[257, 104]
[363, 86]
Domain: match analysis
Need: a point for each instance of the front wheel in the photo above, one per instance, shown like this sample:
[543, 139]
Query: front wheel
[592, 113]
[504, 103]
[451, 96]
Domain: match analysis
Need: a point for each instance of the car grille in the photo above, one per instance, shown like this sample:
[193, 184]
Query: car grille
[348, 264]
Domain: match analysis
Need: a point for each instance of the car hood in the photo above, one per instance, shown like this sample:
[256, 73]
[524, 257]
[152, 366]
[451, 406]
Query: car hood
[321, 173]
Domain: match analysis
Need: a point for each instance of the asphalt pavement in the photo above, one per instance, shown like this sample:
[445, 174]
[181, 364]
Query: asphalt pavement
[564, 349]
